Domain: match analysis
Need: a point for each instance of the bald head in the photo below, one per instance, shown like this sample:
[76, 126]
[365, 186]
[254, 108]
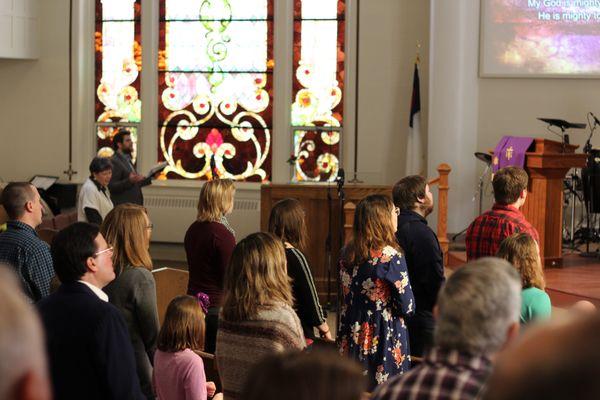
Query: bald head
[553, 361]
[23, 372]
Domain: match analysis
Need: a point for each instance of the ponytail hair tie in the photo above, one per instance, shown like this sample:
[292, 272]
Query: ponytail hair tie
[203, 300]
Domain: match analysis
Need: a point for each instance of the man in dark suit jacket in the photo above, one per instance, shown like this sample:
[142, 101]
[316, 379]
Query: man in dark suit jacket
[125, 184]
[88, 344]
[423, 257]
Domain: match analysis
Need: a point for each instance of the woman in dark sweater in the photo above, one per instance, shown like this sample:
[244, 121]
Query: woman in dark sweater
[127, 229]
[209, 242]
[287, 223]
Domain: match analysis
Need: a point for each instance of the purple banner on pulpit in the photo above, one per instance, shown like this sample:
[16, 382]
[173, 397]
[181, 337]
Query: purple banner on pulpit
[510, 151]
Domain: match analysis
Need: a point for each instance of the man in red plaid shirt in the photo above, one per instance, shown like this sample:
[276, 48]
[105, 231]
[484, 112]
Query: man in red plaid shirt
[488, 230]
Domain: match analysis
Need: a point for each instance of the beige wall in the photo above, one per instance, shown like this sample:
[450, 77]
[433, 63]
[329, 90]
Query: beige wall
[34, 102]
[390, 30]
[511, 106]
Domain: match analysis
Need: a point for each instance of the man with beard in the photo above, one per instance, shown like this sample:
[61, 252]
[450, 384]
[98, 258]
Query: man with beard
[126, 184]
[423, 254]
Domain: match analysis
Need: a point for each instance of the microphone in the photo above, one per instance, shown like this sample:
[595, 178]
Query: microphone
[596, 120]
[341, 178]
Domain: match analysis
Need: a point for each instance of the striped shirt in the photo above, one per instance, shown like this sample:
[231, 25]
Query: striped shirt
[306, 299]
[242, 344]
[21, 248]
[443, 375]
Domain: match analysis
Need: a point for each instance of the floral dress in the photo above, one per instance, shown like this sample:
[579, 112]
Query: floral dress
[377, 297]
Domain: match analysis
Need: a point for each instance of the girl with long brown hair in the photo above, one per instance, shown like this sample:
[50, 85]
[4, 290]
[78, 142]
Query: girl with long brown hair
[257, 316]
[208, 243]
[127, 229]
[376, 293]
[287, 223]
[522, 251]
[178, 370]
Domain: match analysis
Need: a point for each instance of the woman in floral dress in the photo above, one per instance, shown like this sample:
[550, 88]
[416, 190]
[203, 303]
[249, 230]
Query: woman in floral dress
[377, 294]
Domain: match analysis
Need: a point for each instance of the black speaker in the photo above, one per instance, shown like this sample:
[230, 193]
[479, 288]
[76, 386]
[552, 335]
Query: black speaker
[590, 176]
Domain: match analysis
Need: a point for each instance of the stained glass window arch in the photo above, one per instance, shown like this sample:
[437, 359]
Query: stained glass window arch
[216, 66]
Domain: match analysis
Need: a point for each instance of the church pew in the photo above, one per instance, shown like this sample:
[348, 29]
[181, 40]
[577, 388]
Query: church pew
[210, 369]
[170, 283]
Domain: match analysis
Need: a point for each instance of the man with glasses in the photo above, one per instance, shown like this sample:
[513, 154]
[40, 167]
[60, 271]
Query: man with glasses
[89, 350]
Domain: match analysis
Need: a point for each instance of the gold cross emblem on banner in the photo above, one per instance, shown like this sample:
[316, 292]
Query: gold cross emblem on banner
[509, 153]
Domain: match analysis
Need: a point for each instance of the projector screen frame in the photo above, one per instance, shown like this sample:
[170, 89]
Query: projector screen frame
[483, 72]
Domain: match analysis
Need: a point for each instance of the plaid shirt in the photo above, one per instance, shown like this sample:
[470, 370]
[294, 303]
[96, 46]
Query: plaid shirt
[488, 230]
[443, 375]
[21, 248]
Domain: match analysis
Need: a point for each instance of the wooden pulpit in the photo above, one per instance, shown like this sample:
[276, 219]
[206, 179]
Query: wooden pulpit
[547, 166]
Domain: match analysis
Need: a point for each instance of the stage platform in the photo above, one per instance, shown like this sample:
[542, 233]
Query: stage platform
[578, 278]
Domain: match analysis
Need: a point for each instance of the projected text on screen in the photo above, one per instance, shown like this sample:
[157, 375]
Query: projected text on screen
[541, 37]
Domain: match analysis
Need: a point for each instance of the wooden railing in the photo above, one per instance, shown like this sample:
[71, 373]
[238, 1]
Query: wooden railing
[442, 205]
[442, 217]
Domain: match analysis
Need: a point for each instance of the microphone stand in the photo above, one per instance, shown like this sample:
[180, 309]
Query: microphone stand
[588, 204]
[328, 245]
[341, 200]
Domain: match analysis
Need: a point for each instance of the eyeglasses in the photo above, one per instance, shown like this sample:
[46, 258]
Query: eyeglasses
[107, 250]
[396, 210]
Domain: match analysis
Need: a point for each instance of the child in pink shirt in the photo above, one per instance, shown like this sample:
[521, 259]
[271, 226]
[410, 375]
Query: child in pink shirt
[178, 371]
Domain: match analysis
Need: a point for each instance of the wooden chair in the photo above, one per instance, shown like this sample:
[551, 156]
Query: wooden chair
[170, 283]
[47, 223]
[61, 221]
[47, 234]
[210, 369]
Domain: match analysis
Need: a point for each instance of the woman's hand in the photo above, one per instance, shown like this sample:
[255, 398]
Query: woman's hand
[325, 332]
[211, 388]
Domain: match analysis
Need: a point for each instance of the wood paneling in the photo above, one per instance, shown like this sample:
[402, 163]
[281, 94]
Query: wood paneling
[170, 283]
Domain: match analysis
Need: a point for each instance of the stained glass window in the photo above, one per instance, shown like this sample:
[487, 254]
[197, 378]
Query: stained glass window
[215, 88]
[317, 108]
[118, 67]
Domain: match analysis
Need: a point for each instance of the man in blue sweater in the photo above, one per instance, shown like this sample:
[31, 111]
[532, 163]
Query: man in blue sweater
[88, 344]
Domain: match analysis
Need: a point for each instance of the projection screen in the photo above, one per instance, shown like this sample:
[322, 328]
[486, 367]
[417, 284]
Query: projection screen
[540, 38]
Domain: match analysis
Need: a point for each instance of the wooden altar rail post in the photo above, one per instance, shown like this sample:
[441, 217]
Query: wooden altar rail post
[442, 218]
[442, 203]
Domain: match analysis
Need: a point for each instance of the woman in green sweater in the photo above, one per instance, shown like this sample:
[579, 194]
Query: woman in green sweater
[523, 252]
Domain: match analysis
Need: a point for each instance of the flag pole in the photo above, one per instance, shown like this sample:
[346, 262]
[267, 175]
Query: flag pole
[356, 97]
[418, 55]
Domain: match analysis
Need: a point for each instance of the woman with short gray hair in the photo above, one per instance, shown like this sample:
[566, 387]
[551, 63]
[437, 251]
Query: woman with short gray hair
[94, 203]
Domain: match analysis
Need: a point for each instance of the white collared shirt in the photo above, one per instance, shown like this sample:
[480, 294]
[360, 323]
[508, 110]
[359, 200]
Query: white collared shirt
[103, 296]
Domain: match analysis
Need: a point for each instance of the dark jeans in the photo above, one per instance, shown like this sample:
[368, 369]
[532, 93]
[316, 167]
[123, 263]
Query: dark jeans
[420, 332]
[212, 322]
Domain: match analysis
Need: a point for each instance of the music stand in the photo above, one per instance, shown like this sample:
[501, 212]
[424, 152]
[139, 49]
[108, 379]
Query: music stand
[563, 126]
